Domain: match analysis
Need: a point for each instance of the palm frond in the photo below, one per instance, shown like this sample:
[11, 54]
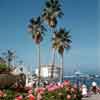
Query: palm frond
[51, 11]
[62, 40]
[32, 21]
[47, 4]
[37, 29]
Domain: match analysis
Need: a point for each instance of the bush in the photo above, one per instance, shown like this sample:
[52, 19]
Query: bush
[3, 66]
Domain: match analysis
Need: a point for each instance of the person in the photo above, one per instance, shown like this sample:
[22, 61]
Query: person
[84, 90]
[94, 87]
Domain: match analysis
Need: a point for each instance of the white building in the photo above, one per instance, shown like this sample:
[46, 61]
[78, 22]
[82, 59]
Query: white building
[47, 69]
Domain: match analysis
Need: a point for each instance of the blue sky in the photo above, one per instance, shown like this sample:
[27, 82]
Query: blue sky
[81, 17]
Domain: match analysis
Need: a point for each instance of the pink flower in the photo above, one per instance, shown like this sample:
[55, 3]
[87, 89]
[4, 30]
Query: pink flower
[39, 90]
[39, 97]
[67, 83]
[68, 97]
[61, 86]
[53, 87]
[30, 91]
[1, 93]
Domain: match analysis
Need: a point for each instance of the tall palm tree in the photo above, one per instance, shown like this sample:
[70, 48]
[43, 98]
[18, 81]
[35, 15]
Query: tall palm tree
[51, 12]
[37, 30]
[65, 40]
[61, 41]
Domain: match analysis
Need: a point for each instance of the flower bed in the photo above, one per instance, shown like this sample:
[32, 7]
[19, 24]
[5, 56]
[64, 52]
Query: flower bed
[64, 91]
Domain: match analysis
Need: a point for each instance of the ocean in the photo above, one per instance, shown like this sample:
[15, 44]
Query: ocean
[86, 81]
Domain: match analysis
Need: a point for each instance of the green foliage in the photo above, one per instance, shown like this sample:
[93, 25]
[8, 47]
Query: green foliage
[3, 66]
[9, 95]
[61, 94]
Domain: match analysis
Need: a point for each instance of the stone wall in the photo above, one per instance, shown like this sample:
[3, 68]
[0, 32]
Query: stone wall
[8, 80]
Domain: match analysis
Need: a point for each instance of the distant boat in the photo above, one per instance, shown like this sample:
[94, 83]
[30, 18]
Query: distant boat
[76, 74]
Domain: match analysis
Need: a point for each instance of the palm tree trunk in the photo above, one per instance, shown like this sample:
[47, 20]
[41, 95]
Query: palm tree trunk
[39, 65]
[9, 64]
[14, 62]
[62, 69]
[53, 65]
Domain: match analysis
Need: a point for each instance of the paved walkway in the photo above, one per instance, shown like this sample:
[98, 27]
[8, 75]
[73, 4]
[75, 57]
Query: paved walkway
[93, 97]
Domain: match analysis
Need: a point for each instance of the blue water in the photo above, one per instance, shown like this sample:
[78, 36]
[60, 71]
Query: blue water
[86, 81]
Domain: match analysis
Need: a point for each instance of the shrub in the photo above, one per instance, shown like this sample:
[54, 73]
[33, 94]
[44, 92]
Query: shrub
[3, 66]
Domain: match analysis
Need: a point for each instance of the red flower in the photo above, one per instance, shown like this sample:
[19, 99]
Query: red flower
[19, 98]
[31, 97]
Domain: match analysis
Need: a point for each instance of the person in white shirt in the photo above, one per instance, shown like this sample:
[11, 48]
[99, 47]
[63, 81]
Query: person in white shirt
[84, 90]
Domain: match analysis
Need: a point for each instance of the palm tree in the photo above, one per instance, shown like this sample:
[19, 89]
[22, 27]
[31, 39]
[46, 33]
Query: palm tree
[61, 41]
[64, 43]
[55, 46]
[51, 12]
[9, 55]
[37, 30]
[21, 65]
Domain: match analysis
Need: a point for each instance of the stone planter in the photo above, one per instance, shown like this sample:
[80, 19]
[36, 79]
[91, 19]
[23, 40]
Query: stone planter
[7, 80]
